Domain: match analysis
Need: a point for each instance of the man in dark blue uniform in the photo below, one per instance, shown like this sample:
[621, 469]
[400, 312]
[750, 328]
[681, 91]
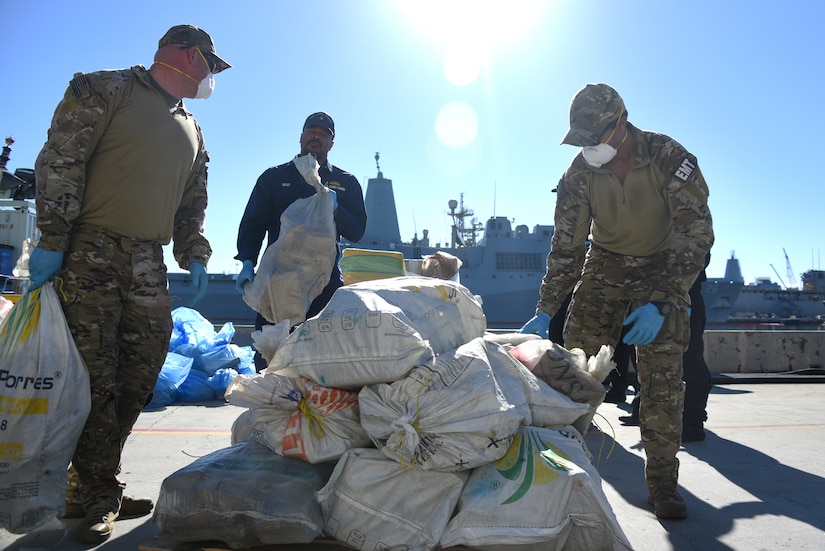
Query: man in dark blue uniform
[279, 187]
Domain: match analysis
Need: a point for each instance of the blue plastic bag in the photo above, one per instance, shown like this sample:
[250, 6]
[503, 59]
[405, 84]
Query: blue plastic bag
[228, 355]
[194, 335]
[196, 388]
[220, 381]
[174, 372]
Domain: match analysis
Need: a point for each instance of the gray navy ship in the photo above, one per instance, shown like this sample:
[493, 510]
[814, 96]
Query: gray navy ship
[500, 262]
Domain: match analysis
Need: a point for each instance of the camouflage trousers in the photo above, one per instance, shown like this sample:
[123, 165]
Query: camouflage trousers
[611, 286]
[115, 298]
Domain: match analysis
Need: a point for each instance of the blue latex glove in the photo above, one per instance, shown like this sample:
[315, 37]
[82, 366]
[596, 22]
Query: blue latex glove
[199, 281]
[247, 275]
[647, 321]
[334, 199]
[538, 325]
[43, 266]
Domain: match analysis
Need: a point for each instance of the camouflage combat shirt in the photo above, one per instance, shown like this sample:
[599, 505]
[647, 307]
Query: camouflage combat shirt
[123, 155]
[660, 208]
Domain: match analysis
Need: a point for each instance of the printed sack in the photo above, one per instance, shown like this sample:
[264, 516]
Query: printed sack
[543, 495]
[44, 401]
[298, 417]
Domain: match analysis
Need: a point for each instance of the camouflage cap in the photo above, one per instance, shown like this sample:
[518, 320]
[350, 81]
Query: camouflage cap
[321, 119]
[189, 35]
[593, 108]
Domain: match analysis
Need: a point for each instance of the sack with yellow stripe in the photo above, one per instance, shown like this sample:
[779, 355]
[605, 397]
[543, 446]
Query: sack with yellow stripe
[44, 401]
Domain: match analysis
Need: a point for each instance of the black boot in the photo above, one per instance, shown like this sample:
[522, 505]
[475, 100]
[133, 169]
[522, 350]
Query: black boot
[692, 431]
[632, 420]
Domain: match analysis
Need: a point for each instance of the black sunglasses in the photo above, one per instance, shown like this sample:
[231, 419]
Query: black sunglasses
[211, 61]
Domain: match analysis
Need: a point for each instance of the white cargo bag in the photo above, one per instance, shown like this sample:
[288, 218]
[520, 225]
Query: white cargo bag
[44, 399]
[370, 502]
[358, 339]
[298, 417]
[544, 495]
[245, 496]
[296, 268]
[569, 371]
[548, 406]
[457, 414]
[445, 313]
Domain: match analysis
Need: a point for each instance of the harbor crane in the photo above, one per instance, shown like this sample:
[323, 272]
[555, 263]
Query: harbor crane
[779, 277]
[791, 278]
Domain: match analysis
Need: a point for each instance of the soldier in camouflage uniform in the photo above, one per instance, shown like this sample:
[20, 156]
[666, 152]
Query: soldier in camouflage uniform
[122, 173]
[642, 200]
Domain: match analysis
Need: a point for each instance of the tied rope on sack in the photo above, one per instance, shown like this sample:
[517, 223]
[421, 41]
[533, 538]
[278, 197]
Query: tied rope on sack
[408, 425]
[316, 423]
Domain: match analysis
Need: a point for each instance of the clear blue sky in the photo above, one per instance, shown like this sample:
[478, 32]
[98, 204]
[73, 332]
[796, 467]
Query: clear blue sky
[470, 97]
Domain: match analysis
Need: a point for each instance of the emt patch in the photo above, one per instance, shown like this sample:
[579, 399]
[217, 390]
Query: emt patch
[685, 170]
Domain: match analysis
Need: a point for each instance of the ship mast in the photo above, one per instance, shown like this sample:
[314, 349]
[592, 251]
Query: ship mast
[4, 157]
[462, 234]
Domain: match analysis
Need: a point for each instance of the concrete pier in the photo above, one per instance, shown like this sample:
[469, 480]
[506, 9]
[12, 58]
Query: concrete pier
[757, 351]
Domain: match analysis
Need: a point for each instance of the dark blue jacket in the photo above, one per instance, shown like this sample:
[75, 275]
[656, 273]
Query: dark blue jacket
[276, 189]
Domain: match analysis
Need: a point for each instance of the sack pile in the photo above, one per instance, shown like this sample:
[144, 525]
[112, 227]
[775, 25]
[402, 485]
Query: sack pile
[439, 436]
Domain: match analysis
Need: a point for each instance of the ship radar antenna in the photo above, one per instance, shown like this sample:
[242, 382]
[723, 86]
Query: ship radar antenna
[4, 157]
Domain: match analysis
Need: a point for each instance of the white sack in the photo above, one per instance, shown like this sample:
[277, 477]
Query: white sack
[242, 428]
[298, 417]
[372, 503]
[358, 339]
[296, 268]
[544, 495]
[568, 371]
[454, 415]
[548, 406]
[45, 398]
[268, 338]
[244, 496]
[445, 313]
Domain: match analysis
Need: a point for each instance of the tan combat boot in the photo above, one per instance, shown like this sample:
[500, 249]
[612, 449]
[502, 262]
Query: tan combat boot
[99, 522]
[667, 503]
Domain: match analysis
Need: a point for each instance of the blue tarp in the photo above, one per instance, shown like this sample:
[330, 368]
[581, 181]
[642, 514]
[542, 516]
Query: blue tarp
[201, 363]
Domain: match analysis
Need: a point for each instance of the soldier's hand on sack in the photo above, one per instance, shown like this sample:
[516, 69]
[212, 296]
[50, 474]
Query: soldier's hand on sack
[43, 266]
[247, 275]
[537, 325]
[197, 270]
[647, 321]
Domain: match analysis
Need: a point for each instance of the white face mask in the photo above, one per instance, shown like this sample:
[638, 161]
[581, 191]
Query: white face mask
[598, 155]
[205, 87]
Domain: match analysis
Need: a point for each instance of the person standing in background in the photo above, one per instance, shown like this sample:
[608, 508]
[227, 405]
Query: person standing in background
[277, 188]
[696, 373]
